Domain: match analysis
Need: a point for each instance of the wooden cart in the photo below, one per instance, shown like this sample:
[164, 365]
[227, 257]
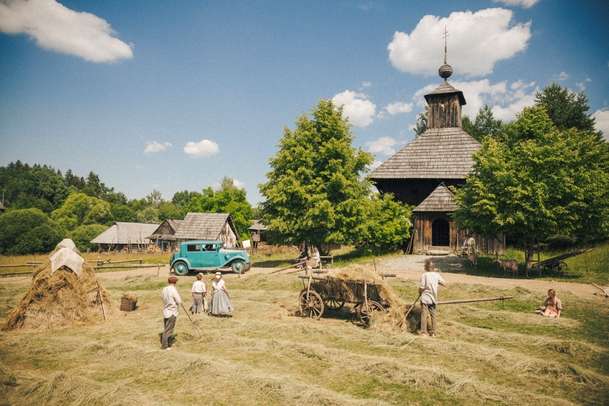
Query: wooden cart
[322, 294]
[556, 264]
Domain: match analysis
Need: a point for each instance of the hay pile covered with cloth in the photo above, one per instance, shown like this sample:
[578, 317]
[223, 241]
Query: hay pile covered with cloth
[64, 290]
[340, 286]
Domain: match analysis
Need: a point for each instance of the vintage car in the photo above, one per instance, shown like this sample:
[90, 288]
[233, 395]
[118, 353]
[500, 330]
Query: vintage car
[208, 255]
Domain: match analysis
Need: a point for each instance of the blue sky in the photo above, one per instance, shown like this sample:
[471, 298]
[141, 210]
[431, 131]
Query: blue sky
[227, 77]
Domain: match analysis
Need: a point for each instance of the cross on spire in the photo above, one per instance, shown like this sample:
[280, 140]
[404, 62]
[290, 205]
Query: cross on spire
[445, 48]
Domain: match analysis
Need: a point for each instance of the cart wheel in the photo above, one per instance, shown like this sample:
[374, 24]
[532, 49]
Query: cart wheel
[334, 304]
[311, 304]
[364, 315]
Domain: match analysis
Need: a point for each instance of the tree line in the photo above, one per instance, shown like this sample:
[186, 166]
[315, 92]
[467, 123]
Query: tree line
[44, 205]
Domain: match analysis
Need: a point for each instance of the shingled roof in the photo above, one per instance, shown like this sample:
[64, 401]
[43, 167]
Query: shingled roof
[438, 153]
[441, 199]
[446, 88]
[202, 226]
[126, 233]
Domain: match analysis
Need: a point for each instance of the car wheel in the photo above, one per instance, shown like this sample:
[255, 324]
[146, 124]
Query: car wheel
[238, 266]
[180, 268]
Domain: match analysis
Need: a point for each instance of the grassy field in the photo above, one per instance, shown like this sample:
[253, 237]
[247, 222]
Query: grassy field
[494, 353]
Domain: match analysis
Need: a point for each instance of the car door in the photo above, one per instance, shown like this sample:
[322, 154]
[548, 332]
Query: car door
[195, 255]
[210, 255]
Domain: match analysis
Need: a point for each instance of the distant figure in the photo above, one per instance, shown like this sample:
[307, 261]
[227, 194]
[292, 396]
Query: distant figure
[429, 297]
[552, 306]
[171, 302]
[472, 252]
[220, 299]
[198, 295]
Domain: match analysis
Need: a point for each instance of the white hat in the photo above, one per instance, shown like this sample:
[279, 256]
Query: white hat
[219, 273]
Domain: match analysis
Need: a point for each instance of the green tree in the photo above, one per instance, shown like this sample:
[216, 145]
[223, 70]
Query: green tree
[79, 209]
[168, 210]
[26, 231]
[386, 225]
[565, 108]
[539, 182]
[122, 212]
[82, 235]
[228, 198]
[484, 125]
[148, 215]
[315, 189]
[183, 198]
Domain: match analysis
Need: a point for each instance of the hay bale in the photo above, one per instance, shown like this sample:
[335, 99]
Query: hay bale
[128, 302]
[59, 298]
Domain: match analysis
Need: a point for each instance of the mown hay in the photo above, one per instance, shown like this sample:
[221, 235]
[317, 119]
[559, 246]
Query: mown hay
[60, 298]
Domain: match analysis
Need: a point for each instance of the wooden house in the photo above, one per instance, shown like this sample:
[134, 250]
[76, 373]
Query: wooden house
[208, 226]
[421, 173]
[164, 236]
[257, 231]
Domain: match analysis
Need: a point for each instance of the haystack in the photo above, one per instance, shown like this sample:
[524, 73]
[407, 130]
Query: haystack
[60, 295]
[380, 290]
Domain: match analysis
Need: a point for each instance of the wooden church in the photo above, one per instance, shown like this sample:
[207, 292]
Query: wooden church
[422, 171]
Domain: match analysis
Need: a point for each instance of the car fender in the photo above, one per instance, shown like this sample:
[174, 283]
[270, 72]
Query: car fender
[235, 258]
[181, 259]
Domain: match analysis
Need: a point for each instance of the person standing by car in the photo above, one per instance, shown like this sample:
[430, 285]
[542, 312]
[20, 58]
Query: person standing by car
[429, 297]
[171, 302]
[220, 299]
[198, 295]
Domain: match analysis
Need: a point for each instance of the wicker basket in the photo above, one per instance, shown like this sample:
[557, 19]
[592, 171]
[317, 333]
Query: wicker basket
[128, 303]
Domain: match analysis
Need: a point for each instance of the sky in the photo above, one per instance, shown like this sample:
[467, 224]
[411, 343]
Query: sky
[176, 95]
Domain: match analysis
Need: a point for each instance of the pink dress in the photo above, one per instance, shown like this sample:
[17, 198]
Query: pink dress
[552, 307]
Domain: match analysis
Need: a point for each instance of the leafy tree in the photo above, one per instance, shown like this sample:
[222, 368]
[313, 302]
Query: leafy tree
[168, 210]
[148, 215]
[80, 208]
[26, 231]
[539, 182]
[228, 198]
[421, 125]
[386, 225]
[122, 212]
[82, 235]
[154, 198]
[315, 189]
[565, 108]
[484, 125]
[183, 198]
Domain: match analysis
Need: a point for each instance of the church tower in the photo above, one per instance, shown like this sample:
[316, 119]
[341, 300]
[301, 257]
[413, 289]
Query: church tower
[421, 173]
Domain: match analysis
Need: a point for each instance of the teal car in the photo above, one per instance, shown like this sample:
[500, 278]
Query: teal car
[208, 255]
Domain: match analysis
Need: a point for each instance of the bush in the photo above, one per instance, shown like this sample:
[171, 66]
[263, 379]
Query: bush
[83, 235]
[560, 241]
[26, 231]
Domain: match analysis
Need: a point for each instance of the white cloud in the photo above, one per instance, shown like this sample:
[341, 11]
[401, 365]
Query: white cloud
[476, 42]
[366, 84]
[505, 101]
[238, 184]
[375, 164]
[203, 148]
[601, 118]
[382, 145]
[56, 27]
[155, 146]
[357, 107]
[398, 108]
[518, 3]
[563, 76]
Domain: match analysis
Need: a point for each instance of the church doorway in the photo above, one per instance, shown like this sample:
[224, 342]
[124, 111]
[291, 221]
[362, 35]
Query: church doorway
[440, 233]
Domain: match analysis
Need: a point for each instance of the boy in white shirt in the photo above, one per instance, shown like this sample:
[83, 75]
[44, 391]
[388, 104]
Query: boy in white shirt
[198, 294]
[429, 297]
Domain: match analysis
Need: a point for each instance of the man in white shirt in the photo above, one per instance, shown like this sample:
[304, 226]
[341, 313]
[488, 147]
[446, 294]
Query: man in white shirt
[429, 296]
[171, 302]
[198, 295]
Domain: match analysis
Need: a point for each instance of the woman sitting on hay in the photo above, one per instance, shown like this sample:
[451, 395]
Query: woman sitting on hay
[552, 306]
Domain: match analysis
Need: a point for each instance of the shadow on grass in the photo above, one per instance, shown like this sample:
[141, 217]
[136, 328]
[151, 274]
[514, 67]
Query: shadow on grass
[486, 266]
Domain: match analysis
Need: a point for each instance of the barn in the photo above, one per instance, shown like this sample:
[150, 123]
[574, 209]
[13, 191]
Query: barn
[422, 172]
[124, 235]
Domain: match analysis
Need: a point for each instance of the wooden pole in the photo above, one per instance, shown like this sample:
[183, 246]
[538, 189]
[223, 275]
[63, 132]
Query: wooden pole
[412, 306]
[101, 299]
[490, 299]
